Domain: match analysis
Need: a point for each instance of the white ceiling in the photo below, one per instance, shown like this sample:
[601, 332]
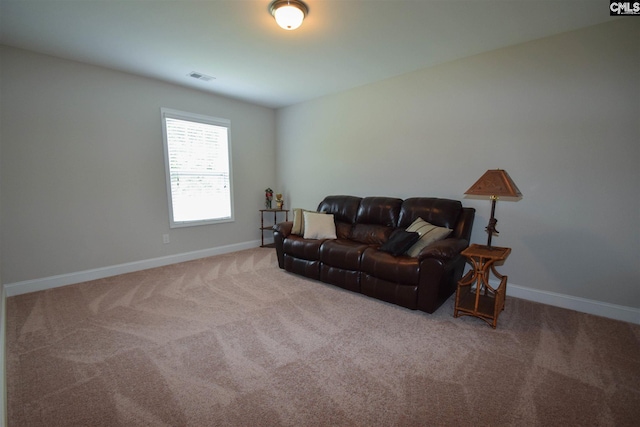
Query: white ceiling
[342, 44]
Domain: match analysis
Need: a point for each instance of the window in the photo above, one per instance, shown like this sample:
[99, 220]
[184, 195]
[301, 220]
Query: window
[197, 153]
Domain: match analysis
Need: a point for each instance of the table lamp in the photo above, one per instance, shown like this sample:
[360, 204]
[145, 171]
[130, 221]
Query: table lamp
[494, 183]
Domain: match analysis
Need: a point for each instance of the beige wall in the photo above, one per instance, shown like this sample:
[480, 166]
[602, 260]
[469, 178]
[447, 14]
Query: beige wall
[82, 178]
[559, 114]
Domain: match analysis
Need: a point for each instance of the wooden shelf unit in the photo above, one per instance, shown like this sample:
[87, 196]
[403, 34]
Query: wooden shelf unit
[264, 228]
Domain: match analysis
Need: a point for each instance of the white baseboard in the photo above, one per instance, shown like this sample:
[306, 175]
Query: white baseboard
[3, 353]
[27, 286]
[597, 308]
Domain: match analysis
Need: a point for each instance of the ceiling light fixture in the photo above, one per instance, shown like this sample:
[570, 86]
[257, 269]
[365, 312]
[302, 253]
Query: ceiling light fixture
[289, 14]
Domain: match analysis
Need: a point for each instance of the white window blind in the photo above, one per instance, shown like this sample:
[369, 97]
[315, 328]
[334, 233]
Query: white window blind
[198, 168]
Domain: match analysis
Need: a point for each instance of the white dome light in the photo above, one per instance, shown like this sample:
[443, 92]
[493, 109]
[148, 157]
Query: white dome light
[289, 14]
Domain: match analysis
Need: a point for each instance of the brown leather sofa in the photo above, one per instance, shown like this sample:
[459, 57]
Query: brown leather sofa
[354, 261]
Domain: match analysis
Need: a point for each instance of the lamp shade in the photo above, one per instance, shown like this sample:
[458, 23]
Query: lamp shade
[289, 14]
[495, 183]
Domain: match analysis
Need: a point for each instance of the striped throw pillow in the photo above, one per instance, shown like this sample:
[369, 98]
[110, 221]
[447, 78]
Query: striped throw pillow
[429, 233]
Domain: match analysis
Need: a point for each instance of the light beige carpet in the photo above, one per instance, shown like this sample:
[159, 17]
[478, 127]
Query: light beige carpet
[234, 341]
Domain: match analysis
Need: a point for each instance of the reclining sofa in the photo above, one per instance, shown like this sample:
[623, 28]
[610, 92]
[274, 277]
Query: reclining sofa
[352, 258]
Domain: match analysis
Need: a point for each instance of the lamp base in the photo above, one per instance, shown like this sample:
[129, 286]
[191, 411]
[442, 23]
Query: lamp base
[491, 228]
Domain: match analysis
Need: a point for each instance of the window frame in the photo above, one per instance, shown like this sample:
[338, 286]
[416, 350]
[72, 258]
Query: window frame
[203, 119]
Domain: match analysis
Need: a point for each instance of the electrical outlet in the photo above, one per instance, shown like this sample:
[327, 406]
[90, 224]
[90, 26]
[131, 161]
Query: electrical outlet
[165, 238]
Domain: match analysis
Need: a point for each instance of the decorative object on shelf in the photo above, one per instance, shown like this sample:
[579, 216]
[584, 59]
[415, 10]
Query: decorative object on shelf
[279, 201]
[268, 197]
[494, 183]
[289, 14]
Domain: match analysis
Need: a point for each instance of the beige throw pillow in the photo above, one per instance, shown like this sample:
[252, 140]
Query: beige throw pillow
[429, 233]
[298, 221]
[319, 226]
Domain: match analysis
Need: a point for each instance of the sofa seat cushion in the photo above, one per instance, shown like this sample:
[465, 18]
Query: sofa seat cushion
[401, 270]
[342, 253]
[299, 247]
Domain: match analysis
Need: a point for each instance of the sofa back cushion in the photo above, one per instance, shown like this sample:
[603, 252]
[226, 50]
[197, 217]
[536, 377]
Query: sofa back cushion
[383, 211]
[377, 218]
[343, 208]
[440, 212]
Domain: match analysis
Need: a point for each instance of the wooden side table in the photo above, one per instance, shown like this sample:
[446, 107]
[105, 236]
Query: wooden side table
[270, 227]
[482, 301]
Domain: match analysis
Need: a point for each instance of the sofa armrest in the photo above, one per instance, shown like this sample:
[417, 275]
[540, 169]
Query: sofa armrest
[280, 232]
[444, 250]
[284, 228]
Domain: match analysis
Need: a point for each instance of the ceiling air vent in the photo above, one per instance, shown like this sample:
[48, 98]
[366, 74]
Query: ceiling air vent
[201, 76]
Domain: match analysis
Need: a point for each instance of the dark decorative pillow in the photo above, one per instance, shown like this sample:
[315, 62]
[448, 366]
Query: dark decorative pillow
[399, 242]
